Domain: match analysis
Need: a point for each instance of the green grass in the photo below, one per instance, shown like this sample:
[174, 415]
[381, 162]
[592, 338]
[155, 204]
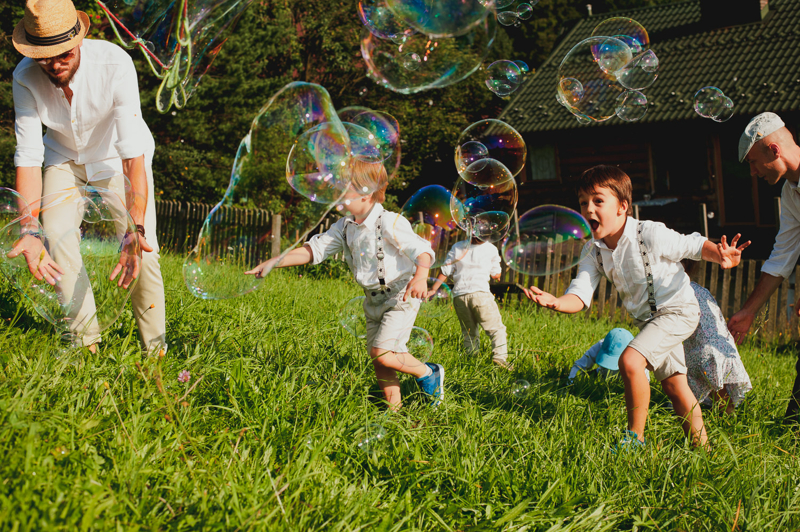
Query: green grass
[267, 439]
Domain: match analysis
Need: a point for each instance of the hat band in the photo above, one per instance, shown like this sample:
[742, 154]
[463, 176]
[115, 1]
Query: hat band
[55, 39]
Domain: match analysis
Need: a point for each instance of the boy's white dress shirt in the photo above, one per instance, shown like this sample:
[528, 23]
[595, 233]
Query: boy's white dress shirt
[103, 124]
[401, 247]
[625, 267]
[472, 272]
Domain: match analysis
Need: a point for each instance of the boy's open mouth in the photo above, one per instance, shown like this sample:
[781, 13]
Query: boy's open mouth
[594, 224]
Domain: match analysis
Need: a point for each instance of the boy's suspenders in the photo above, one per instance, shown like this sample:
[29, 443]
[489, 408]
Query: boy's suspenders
[378, 253]
[651, 292]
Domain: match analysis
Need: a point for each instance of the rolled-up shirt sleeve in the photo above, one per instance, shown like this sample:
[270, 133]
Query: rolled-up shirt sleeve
[128, 115]
[673, 245]
[587, 279]
[786, 250]
[27, 127]
[406, 240]
[328, 243]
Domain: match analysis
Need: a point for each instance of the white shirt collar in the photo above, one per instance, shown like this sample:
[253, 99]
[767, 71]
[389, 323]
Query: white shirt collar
[629, 232]
[371, 218]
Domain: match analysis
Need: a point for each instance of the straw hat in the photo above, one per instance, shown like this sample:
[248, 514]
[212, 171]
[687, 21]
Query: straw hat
[49, 28]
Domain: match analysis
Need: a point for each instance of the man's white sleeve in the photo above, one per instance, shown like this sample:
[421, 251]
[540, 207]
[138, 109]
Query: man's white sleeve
[128, 114]
[28, 128]
[784, 254]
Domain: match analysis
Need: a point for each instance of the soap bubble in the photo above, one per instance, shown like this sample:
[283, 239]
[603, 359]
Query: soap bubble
[442, 61]
[491, 226]
[381, 21]
[524, 11]
[470, 152]
[12, 206]
[503, 77]
[640, 73]
[419, 346]
[593, 63]
[89, 233]
[711, 102]
[385, 132]
[501, 4]
[545, 240]
[625, 29]
[443, 18]
[727, 110]
[520, 388]
[429, 212]
[507, 18]
[631, 106]
[411, 61]
[439, 304]
[486, 203]
[351, 317]
[503, 142]
[233, 240]
[370, 437]
[523, 67]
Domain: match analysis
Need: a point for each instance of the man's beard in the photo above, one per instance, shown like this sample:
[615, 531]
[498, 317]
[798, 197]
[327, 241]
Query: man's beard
[71, 74]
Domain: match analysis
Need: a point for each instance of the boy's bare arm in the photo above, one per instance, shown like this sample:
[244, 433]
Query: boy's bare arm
[727, 256]
[296, 257]
[418, 286]
[439, 282]
[568, 303]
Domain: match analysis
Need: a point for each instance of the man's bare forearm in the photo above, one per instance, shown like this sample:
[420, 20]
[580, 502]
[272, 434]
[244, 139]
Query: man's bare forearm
[136, 202]
[29, 185]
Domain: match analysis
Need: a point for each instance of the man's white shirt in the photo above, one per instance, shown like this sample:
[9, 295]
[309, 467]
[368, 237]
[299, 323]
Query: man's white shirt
[786, 250]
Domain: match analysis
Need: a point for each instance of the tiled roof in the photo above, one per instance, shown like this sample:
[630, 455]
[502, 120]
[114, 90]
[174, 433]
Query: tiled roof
[757, 65]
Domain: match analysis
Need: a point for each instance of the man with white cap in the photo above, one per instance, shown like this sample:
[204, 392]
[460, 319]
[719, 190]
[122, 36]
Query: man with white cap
[770, 150]
[86, 93]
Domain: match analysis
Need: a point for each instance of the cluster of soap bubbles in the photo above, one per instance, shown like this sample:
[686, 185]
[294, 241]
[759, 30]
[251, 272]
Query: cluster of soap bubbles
[93, 240]
[410, 46]
[504, 77]
[514, 14]
[180, 40]
[603, 76]
[300, 158]
[711, 102]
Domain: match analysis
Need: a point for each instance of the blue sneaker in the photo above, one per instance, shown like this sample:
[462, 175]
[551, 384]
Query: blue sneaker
[433, 384]
[629, 442]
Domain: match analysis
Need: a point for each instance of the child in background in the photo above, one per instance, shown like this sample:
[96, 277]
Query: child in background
[642, 259]
[605, 354]
[391, 264]
[474, 303]
[714, 366]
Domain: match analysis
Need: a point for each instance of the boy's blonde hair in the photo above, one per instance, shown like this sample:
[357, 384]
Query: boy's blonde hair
[365, 176]
[611, 177]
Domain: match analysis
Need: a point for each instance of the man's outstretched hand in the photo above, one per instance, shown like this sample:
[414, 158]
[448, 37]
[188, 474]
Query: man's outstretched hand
[130, 260]
[40, 264]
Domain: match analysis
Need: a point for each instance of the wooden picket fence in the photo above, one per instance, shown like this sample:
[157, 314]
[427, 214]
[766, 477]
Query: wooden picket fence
[179, 224]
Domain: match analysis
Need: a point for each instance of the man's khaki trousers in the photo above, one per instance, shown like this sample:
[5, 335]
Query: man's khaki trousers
[147, 297]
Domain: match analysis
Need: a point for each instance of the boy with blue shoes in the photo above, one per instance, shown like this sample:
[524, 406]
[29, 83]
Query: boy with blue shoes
[391, 263]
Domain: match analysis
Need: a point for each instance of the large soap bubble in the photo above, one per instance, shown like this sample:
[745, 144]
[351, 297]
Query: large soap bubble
[631, 106]
[385, 134]
[485, 205]
[503, 77]
[587, 82]
[640, 73]
[441, 61]
[545, 240]
[626, 30]
[351, 317]
[419, 346]
[91, 237]
[442, 18]
[381, 21]
[180, 40]
[501, 142]
[429, 212]
[282, 207]
[711, 102]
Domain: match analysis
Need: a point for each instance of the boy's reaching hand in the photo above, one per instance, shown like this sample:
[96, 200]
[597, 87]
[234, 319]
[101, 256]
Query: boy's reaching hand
[417, 287]
[730, 255]
[542, 298]
[263, 269]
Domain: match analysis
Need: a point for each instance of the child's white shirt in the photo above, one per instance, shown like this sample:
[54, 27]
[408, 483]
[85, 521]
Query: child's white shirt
[589, 358]
[471, 273]
[625, 267]
[358, 242]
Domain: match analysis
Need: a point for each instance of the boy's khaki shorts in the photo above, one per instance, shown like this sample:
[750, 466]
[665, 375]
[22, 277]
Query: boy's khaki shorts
[389, 322]
[660, 341]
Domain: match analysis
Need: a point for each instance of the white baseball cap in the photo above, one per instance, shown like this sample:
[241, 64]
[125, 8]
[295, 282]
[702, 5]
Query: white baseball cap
[759, 127]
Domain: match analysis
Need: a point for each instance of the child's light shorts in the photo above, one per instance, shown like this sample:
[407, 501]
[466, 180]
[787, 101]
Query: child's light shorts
[389, 321]
[660, 340]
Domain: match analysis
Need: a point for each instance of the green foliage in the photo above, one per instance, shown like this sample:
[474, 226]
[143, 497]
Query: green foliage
[264, 434]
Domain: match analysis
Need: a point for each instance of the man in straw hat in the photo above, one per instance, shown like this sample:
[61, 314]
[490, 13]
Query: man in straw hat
[86, 93]
[770, 150]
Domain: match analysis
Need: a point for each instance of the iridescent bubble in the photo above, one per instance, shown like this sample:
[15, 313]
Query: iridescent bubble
[317, 161]
[370, 437]
[429, 212]
[470, 152]
[524, 11]
[592, 64]
[640, 73]
[520, 389]
[411, 61]
[709, 102]
[523, 67]
[439, 303]
[727, 110]
[631, 106]
[503, 142]
[443, 61]
[443, 18]
[90, 235]
[491, 226]
[351, 317]
[419, 346]
[230, 243]
[545, 240]
[380, 20]
[625, 29]
[12, 206]
[503, 77]
[385, 131]
[507, 18]
[485, 205]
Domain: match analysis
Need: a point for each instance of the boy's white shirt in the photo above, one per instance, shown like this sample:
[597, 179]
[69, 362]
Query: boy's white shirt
[471, 274]
[625, 267]
[401, 247]
[589, 358]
